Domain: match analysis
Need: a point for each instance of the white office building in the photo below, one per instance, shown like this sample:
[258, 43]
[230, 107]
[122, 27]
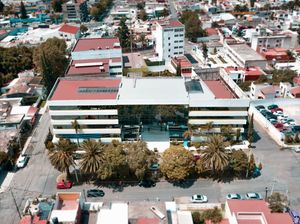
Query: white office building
[169, 35]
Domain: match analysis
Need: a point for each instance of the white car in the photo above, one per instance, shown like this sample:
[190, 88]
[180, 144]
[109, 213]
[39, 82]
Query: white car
[297, 149]
[278, 113]
[234, 196]
[252, 195]
[282, 117]
[22, 161]
[199, 198]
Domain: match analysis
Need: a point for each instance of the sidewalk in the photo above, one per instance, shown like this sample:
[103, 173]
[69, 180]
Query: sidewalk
[6, 182]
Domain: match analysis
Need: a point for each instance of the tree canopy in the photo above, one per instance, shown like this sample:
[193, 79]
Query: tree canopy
[57, 5]
[193, 29]
[1, 7]
[23, 12]
[277, 202]
[124, 34]
[177, 163]
[50, 60]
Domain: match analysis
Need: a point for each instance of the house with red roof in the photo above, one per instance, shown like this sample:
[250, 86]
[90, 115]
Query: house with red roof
[96, 57]
[212, 35]
[184, 64]
[69, 32]
[277, 54]
[253, 212]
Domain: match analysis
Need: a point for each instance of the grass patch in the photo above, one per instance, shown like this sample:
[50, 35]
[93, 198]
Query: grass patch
[154, 63]
[142, 70]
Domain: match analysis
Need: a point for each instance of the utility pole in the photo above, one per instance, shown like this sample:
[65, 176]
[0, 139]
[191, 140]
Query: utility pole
[15, 202]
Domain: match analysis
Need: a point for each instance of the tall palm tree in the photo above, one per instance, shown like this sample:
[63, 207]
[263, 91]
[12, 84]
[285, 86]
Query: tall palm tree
[76, 127]
[93, 158]
[215, 156]
[61, 155]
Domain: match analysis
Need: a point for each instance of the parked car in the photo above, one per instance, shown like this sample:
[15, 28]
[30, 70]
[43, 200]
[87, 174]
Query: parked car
[253, 195]
[260, 107]
[297, 149]
[64, 185]
[234, 196]
[277, 110]
[199, 198]
[272, 106]
[147, 183]
[278, 125]
[22, 161]
[278, 113]
[95, 193]
[272, 120]
[282, 117]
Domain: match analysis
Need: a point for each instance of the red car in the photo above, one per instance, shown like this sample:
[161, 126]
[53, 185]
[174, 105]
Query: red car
[278, 125]
[64, 185]
[277, 109]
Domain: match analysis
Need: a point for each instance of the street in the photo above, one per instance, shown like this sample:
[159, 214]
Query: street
[280, 172]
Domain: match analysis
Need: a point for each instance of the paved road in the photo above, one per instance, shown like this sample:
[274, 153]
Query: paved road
[172, 9]
[280, 170]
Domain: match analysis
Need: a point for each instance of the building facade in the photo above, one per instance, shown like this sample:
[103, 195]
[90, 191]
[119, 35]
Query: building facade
[120, 108]
[75, 11]
[169, 39]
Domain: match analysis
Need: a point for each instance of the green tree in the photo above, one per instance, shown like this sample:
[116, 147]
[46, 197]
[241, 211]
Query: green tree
[165, 12]
[215, 157]
[1, 7]
[178, 69]
[61, 156]
[215, 24]
[92, 158]
[140, 5]
[251, 165]
[197, 218]
[83, 28]
[94, 12]
[142, 15]
[241, 8]
[3, 157]
[50, 60]
[123, 33]
[23, 11]
[239, 163]
[204, 51]
[214, 215]
[76, 127]
[177, 163]
[193, 26]
[143, 40]
[277, 202]
[115, 165]
[139, 158]
[250, 130]
[252, 2]
[57, 5]
[238, 134]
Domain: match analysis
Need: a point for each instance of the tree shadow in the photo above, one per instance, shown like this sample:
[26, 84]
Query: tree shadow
[184, 183]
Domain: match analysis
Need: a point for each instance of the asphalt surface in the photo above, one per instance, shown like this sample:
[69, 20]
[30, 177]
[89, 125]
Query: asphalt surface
[280, 172]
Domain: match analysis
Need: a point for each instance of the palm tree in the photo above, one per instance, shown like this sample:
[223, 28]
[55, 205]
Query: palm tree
[215, 156]
[76, 127]
[61, 155]
[208, 126]
[93, 158]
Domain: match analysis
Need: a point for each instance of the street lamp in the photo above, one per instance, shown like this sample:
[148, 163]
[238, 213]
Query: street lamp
[266, 195]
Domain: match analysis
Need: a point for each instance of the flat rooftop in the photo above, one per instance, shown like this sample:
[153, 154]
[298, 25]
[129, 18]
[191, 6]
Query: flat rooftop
[90, 66]
[220, 89]
[149, 91]
[246, 52]
[88, 44]
[88, 89]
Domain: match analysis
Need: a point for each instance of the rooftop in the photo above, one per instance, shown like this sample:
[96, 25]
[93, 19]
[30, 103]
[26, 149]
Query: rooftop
[66, 28]
[170, 23]
[116, 213]
[90, 66]
[220, 89]
[91, 89]
[246, 52]
[88, 44]
[257, 209]
[145, 91]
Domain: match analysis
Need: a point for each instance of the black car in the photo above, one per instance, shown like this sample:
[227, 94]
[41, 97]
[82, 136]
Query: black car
[95, 193]
[147, 183]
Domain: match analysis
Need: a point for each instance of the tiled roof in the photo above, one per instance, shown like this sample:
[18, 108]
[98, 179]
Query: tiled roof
[66, 28]
[170, 23]
[96, 44]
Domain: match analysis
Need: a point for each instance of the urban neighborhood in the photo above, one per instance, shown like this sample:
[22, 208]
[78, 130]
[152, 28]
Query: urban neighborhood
[150, 111]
